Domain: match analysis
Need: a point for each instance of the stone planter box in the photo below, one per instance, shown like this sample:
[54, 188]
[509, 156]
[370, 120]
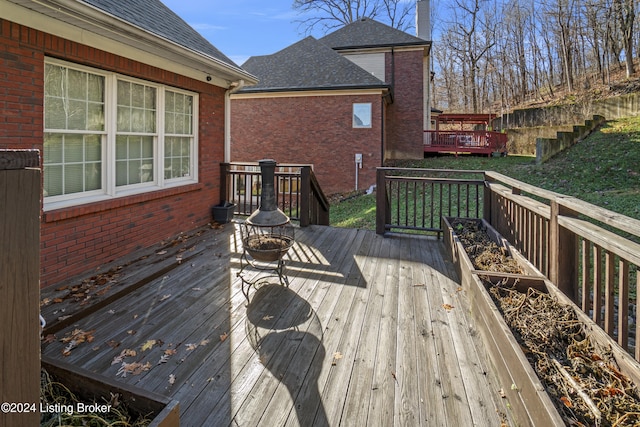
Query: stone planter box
[90, 387]
[528, 400]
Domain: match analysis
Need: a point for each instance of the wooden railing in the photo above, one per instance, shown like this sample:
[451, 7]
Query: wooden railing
[415, 200]
[591, 254]
[298, 192]
[460, 141]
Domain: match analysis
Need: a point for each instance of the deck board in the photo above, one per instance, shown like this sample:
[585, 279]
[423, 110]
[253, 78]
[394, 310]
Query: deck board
[371, 331]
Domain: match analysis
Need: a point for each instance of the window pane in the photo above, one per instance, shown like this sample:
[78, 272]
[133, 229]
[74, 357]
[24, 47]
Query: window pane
[52, 180]
[77, 84]
[73, 163]
[93, 176]
[52, 148]
[55, 116]
[136, 108]
[73, 148]
[178, 114]
[77, 115]
[95, 116]
[177, 159]
[362, 115]
[54, 80]
[134, 159]
[93, 148]
[73, 178]
[67, 94]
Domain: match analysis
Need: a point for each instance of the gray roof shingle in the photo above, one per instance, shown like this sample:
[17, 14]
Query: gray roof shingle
[155, 17]
[368, 33]
[307, 64]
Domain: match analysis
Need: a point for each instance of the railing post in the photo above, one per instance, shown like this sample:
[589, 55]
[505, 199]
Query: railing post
[382, 209]
[20, 192]
[486, 201]
[305, 195]
[563, 253]
[224, 182]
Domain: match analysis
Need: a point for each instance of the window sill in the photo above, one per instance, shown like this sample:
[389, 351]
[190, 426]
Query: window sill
[116, 202]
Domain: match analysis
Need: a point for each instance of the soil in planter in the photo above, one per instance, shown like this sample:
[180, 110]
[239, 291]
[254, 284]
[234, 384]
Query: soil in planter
[582, 378]
[55, 395]
[485, 254]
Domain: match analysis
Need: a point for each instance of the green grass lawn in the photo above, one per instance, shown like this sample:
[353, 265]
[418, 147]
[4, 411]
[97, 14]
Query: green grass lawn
[604, 169]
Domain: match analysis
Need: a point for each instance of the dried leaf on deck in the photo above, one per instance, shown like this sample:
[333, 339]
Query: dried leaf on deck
[134, 368]
[163, 359]
[170, 351]
[124, 353]
[164, 297]
[204, 342]
[447, 307]
[191, 347]
[172, 379]
[161, 253]
[49, 338]
[336, 356]
[132, 331]
[148, 345]
[224, 337]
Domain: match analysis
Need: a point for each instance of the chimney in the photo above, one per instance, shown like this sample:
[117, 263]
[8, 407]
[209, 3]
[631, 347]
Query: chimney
[423, 18]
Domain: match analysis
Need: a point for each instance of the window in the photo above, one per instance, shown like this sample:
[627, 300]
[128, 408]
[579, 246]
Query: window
[362, 115]
[108, 135]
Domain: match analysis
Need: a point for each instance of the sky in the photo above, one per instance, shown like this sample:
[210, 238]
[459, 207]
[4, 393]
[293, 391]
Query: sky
[242, 28]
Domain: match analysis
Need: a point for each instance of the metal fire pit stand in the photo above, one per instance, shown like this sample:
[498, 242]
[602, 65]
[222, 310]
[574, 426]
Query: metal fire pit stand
[249, 265]
[267, 235]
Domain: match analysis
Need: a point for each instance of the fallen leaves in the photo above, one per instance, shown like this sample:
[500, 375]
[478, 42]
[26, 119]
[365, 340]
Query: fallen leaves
[134, 368]
[447, 307]
[336, 356]
[148, 345]
[75, 338]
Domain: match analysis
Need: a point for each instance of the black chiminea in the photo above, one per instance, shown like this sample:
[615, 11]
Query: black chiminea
[267, 234]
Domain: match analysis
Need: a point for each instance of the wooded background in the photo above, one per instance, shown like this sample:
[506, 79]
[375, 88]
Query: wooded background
[490, 55]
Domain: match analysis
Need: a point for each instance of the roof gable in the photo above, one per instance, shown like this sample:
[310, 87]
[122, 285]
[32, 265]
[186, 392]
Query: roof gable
[154, 17]
[305, 65]
[368, 33]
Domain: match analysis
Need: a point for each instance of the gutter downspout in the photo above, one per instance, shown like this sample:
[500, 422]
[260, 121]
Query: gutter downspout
[233, 88]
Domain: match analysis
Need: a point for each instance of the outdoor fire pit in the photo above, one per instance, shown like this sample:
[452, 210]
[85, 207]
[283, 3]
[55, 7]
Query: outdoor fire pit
[267, 235]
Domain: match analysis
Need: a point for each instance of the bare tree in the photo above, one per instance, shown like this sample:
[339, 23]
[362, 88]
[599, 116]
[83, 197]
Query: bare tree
[625, 11]
[327, 15]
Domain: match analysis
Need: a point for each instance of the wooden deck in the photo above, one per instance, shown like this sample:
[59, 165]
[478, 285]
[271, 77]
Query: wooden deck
[372, 331]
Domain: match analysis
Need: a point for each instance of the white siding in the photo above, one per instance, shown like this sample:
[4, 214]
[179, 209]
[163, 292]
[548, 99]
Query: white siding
[372, 62]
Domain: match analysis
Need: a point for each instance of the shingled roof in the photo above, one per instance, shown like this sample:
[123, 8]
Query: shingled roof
[154, 17]
[368, 33]
[307, 65]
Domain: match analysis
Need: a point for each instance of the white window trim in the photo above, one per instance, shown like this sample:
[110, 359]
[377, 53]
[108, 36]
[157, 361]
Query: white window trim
[109, 189]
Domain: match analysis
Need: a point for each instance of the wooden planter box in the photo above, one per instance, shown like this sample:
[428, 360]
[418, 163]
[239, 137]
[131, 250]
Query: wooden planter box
[90, 387]
[530, 403]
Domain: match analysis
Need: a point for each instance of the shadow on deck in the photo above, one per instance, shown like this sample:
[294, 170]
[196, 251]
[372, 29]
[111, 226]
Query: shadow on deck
[372, 331]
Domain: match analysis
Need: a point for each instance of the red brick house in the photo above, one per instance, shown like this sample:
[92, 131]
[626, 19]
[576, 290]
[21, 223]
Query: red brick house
[126, 104]
[358, 94]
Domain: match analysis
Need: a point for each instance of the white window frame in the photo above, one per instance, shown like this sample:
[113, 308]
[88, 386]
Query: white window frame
[109, 189]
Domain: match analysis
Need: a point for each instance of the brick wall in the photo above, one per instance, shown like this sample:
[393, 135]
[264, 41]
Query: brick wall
[310, 129]
[78, 239]
[405, 116]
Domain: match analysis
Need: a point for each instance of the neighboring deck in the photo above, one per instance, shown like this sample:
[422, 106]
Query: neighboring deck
[372, 331]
